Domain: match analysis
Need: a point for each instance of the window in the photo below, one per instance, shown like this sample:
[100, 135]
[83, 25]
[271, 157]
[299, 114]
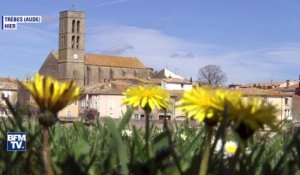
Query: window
[95, 104]
[286, 101]
[73, 26]
[99, 75]
[78, 26]
[111, 73]
[77, 42]
[288, 114]
[6, 94]
[181, 85]
[111, 104]
[88, 70]
[73, 41]
[82, 103]
[161, 117]
[136, 116]
[69, 113]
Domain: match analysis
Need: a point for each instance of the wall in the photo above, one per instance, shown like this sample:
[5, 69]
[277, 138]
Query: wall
[107, 105]
[97, 74]
[73, 108]
[176, 86]
[283, 110]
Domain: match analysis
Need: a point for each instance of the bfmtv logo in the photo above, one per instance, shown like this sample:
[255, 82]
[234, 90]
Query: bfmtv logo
[16, 141]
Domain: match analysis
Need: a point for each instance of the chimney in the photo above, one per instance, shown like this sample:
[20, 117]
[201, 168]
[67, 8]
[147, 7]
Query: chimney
[299, 81]
[287, 83]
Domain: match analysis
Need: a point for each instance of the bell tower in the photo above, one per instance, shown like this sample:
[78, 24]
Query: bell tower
[71, 46]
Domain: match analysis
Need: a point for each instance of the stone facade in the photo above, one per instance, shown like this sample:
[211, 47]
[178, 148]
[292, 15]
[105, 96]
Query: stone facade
[100, 74]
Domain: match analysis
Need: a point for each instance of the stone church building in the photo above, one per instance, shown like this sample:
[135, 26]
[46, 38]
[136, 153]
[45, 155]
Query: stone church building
[72, 63]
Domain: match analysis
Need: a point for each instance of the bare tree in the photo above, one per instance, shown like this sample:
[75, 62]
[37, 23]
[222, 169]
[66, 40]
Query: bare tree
[212, 75]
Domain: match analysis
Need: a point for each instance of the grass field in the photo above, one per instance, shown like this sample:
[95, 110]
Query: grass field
[117, 147]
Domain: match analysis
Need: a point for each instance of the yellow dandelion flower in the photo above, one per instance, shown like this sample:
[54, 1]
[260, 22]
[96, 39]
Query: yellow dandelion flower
[147, 97]
[251, 114]
[205, 104]
[51, 95]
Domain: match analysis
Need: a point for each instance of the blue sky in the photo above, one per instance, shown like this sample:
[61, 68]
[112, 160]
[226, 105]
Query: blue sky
[255, 40]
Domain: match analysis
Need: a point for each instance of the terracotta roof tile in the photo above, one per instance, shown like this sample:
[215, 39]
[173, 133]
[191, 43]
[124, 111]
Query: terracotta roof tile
[113, 61]
[8, 84]
[105, 89]
[290, 88]
[110, 61]
[260, 92]
[263, 84]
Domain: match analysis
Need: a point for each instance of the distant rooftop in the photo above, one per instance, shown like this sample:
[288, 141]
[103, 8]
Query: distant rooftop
[8, 84]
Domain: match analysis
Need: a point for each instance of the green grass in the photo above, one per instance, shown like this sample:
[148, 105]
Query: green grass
[100, 148]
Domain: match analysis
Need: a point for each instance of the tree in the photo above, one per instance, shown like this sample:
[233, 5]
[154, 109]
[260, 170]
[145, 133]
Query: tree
[91, 114]
[212, 75]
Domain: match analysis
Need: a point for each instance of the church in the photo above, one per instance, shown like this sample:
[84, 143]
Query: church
[71, 62]
[103, 78]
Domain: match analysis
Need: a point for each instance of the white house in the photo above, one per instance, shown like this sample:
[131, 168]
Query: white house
[165, 73]
[176, 84]
[8, 89]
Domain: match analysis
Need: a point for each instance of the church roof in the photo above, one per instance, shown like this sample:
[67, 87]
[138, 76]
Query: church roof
[111, 61]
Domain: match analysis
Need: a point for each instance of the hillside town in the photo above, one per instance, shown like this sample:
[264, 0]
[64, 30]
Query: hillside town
[104, 78]
[150, 87]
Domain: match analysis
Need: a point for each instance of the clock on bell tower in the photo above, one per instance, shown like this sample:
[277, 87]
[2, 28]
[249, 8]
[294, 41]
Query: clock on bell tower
[71, 46]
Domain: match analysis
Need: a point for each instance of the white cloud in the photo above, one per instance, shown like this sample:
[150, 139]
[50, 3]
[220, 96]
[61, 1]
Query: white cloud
[109, 2]
[154, 48]
[118, 49]
[158, 50]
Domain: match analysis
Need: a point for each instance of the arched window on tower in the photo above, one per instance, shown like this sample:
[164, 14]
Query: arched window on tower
[73, 26]
[77, 42]
[73, 41]
[62, 42]
[78, 26]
